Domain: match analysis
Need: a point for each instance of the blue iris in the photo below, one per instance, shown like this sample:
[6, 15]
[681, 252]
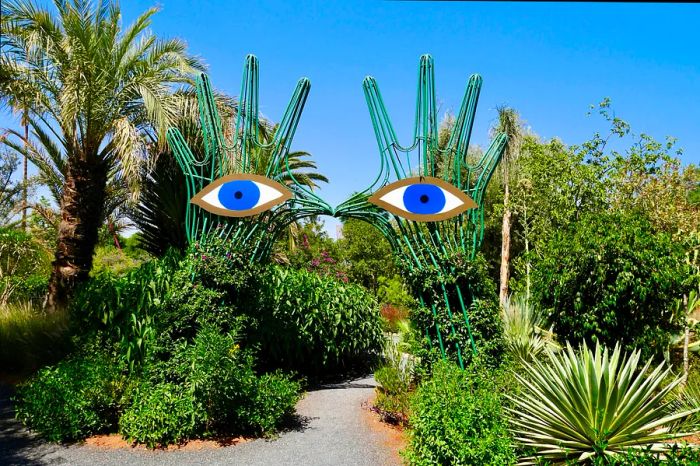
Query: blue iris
[239, 195]
[422, 198]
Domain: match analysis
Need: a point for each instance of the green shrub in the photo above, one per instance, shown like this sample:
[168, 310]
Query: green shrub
[207, 387]
[610, 277]
[161, 414]
[396, 380]
[593, 403]
[457, 418]
[211, 285]
[76, 398]
[24, 266]
[478, 293]
[272, 399]
[221, 376]
[296, 319]
[31, 289]
[678, 455]
[316, 325]
[30, 338]
[109, 259]
[116, 311]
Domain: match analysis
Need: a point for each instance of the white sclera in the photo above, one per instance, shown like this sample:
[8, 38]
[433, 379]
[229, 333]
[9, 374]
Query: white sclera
[267, 194]
[451, 202]
[395, 198]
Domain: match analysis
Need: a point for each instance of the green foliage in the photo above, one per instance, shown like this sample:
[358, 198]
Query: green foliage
[119, 310]
[222, 379]
[109, 259]
[10, 191]
[76, 398]
[211, 285]
[457, 418]
[611, 277]
[589, 404]
[392, 290]
[160, 414]
[24, 266]
[160, 214]
[367, 253]
[478, 292]
[688, 398]
[523, 330]
[396, 301]
[678, 455]
[206, 387]
[31, 338]
[316, 325]
[307, 242]
[396, 378]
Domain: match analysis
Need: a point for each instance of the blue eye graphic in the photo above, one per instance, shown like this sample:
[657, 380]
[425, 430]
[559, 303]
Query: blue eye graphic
[423, 199]
[241, 195]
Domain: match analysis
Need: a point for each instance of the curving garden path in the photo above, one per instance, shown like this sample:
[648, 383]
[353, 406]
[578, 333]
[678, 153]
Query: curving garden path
[333, 429]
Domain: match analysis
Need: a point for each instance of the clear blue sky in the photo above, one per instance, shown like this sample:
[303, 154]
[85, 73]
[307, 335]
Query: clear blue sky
[549, 61]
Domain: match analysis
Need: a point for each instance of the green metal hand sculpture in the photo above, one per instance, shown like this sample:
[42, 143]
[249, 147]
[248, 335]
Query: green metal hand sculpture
[433, 216]
[434, 213]
[244, 191]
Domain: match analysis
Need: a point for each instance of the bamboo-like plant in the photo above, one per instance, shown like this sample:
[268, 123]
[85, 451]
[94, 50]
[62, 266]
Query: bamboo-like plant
[585, 404]
[523, 330]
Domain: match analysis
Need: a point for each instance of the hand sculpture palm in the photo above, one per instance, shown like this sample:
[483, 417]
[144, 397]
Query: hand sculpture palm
[246, 155]
[431, 250]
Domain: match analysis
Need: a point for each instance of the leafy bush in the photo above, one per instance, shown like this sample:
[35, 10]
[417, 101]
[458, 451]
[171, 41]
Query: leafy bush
[161, 414]
[207, 387]
[478, 293]
[117, 311]
[31, 338]
[316, 325]
[24, 263]
[457, 418]
[76, 398]
[592, 404]
[609, 278]
[211, 286]
[109, 259]
[221, 376]
[296, 319]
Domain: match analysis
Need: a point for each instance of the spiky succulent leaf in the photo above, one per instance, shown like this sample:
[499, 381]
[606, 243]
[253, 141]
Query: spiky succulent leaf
[586, 403]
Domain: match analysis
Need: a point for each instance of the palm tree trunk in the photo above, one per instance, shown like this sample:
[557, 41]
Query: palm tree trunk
[505, 245]
[81, 213]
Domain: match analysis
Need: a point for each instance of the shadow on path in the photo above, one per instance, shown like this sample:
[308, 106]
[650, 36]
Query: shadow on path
[17, 445]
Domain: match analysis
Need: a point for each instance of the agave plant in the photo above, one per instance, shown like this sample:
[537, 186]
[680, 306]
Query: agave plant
[523, 329]
[590, 404]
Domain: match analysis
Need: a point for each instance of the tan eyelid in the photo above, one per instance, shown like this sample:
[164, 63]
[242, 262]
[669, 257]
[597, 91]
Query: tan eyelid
[468, 201]
[197, 198]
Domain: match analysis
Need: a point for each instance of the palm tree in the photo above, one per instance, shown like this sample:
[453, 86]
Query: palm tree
[98, 87]
[299, 162]
[510, 124]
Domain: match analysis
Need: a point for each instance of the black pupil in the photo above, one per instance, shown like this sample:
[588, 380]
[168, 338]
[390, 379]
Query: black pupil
[238, 194]
[424, 198]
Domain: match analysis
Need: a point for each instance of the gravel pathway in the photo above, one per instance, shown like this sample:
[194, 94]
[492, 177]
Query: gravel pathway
[333, 430]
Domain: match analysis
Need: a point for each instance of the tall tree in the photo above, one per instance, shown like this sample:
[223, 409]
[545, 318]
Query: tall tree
[10, 192]
[98, 87]
[510, 124]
